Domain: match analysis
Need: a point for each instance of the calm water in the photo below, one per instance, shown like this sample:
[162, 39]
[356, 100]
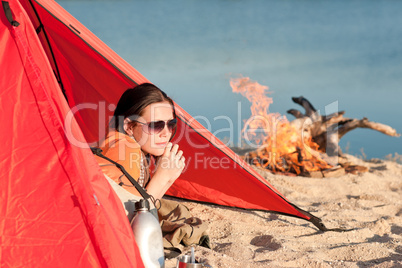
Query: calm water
[328, 51]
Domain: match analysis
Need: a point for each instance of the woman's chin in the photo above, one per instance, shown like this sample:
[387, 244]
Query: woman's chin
[156, 151]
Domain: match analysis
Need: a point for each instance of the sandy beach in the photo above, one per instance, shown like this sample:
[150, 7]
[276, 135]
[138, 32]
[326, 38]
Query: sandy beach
[368, 204]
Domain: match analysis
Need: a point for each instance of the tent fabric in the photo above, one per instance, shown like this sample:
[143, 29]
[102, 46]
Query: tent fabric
[60, 84]
[57, 209]
[94, 77]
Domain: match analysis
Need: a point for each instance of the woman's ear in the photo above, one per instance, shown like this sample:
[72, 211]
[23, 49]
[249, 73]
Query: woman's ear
[127, 126]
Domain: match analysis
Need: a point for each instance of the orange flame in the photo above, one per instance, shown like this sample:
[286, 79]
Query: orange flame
[261, 118]
[284, 149]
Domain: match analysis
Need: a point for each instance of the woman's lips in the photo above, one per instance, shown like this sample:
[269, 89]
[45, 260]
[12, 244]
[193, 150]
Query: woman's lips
[160, 144]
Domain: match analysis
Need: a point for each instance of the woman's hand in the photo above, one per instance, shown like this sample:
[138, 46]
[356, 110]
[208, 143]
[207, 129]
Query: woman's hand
[171, 162]
[168, 168]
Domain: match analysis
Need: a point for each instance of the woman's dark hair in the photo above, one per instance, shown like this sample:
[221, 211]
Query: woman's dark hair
[133, 102]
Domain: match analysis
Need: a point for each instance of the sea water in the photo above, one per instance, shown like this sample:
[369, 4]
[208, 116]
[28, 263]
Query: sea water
[345, 54]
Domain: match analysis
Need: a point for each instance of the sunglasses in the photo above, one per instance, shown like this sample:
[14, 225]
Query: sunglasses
[156, 127]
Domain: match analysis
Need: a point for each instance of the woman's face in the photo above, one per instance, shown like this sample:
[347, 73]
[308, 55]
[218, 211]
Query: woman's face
[153, 143]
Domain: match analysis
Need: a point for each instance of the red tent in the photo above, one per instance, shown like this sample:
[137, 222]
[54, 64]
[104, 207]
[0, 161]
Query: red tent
[58, 86]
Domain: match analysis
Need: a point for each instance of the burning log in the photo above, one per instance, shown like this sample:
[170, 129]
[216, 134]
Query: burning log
[326, 131]
[282, 147]
[306, 146]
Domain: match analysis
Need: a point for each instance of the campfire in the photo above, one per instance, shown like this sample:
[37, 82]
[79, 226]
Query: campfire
[282, 147]
[306, 146]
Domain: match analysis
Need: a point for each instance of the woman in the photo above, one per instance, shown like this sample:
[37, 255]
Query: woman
[143, 124]
[141, 129]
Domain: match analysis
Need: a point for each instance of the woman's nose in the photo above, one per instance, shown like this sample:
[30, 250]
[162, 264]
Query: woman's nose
[165, 131]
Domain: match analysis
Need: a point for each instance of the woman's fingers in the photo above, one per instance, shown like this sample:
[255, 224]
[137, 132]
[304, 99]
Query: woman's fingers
[179, 154]
[180, 159]
[175, 148]
[180, 163]
[168, 148]
[173, 156]
[172, 150]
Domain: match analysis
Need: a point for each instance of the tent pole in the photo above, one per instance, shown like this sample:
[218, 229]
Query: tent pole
[39, 29]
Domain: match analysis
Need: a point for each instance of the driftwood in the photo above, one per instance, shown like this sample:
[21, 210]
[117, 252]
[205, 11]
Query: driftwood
[337, 171]
[327, 130]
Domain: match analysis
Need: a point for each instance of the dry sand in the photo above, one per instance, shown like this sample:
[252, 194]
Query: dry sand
[369, 203]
